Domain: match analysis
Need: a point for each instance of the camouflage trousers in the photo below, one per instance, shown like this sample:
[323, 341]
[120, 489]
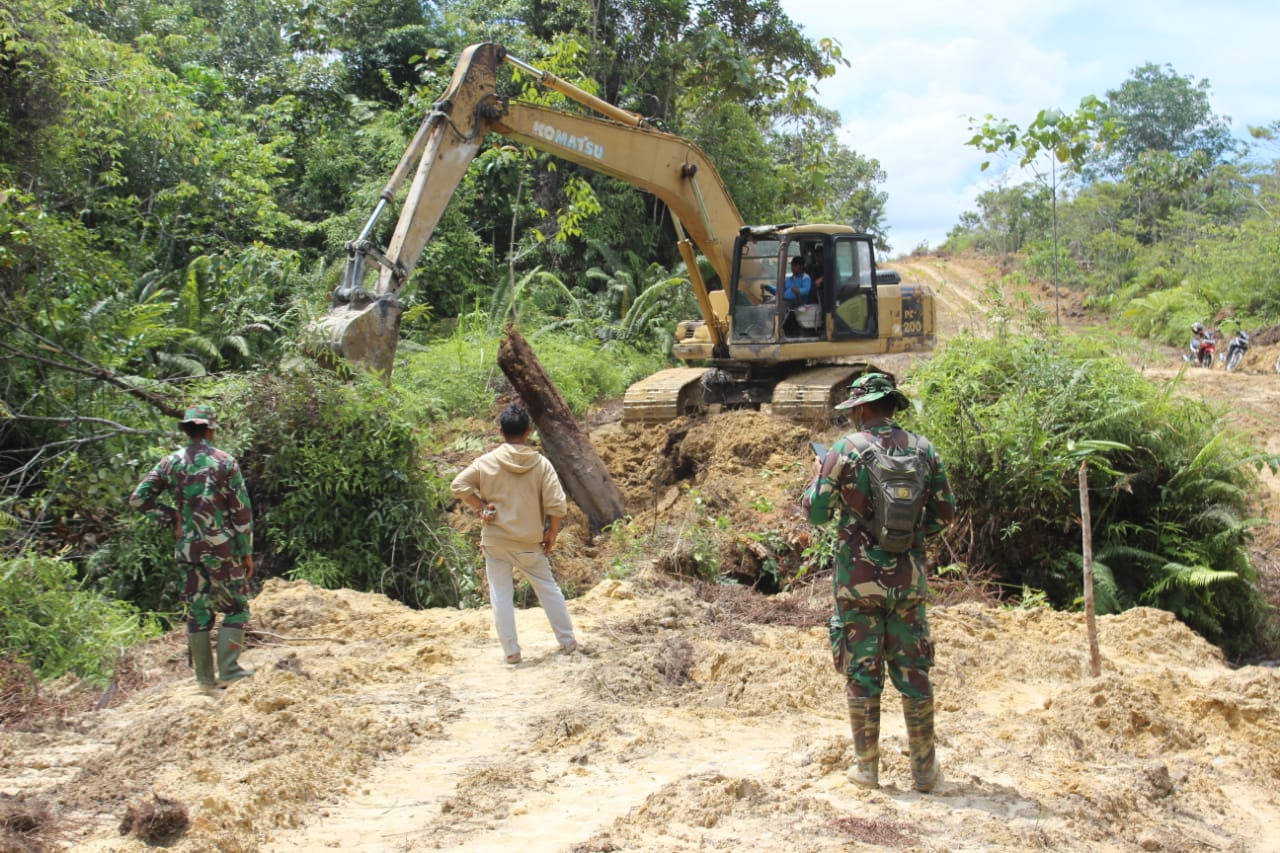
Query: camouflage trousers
[222, 589]
[872, 633]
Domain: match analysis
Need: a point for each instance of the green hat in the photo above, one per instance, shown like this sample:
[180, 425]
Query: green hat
[202, 415]
[870, 387]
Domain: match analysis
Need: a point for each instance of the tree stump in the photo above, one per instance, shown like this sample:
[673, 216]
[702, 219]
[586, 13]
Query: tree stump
[584, 476]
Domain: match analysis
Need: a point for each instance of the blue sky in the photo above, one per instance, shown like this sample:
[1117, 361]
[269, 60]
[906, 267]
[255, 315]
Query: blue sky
[920, 69]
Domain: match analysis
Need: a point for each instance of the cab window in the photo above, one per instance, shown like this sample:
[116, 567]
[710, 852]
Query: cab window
[854, 293]
[753, 306]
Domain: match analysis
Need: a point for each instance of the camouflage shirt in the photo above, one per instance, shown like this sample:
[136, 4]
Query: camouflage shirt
[213, 520]
[862, 567]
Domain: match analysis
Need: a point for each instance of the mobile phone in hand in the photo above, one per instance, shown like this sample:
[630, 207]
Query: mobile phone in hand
[819, 450]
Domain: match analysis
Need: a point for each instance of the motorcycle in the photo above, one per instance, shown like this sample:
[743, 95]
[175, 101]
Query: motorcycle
[1202, 353]
[1236, 349]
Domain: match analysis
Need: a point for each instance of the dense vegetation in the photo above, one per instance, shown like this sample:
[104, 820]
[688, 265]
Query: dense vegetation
[1170, 486]
[177, 181]
[1167, 221]
[1162, 219]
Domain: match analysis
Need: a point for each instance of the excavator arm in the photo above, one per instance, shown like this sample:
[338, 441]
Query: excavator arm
[364, 326]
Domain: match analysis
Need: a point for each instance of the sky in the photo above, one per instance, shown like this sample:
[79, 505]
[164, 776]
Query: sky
[920, 68]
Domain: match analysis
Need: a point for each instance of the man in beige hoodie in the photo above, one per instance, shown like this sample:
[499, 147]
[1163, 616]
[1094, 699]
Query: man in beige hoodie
[513, 488]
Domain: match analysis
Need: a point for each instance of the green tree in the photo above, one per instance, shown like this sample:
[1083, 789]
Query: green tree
[1060, 137]
[1157, 109]
[824, 180]
[1006, 220]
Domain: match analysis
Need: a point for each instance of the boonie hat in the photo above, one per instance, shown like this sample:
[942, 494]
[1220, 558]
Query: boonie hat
[202, 415]
[870, 387]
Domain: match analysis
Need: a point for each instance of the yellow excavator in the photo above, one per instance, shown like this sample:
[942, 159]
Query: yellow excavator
[757, 343]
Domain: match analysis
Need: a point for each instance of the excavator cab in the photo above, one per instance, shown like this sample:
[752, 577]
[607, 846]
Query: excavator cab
[840, 305]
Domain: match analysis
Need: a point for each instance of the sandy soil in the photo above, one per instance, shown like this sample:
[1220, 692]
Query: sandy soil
[681, 724]
[413, 734]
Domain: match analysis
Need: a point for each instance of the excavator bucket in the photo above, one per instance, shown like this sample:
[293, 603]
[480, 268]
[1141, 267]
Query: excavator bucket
[364, 332]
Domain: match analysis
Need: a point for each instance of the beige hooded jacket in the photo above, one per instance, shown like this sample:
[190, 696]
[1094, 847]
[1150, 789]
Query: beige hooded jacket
[523, 487]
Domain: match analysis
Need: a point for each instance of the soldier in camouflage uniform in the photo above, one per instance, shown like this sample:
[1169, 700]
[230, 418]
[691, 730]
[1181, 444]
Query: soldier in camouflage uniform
[879, 616]
[212, 522]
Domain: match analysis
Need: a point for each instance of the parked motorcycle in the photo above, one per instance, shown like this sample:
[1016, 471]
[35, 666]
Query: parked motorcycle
[1202, 353]
[1236, 349]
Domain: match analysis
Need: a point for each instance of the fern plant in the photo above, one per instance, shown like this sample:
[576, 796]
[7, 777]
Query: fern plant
[1170, 486]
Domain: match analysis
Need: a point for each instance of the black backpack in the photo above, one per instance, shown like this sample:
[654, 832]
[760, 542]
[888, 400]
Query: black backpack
[899, 488]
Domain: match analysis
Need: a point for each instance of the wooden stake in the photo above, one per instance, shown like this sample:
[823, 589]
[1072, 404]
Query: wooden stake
[584, 476]
[1086, 535]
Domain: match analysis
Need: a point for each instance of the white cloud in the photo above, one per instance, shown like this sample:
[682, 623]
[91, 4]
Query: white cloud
[918, 70]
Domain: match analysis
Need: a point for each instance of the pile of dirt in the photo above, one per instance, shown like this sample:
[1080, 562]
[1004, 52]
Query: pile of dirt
[733, 456]
[26, 824]
[577, 727]
[23, 699]
[719, 492]
[299, 730]
[1261, 358]
[484, 794]
[711, 809]
[1267, 337]
[157, 822]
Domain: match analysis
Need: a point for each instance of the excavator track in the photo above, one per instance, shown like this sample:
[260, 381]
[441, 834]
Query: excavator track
[664, 396]
[809, 395]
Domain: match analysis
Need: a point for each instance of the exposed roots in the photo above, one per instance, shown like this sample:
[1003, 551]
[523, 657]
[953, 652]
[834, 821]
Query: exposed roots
[160, 821]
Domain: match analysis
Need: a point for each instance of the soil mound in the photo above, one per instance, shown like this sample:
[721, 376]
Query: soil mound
[1269, 336]
[695, 739]
[724, 451]
[1261, 358]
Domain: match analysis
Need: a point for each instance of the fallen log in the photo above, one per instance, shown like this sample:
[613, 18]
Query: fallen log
[585, 478]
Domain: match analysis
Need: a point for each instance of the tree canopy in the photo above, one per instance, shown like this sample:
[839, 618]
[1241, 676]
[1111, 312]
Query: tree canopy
[1157, 109]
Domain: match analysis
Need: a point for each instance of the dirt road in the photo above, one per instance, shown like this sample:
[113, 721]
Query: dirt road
[672, 733]
[682, 725]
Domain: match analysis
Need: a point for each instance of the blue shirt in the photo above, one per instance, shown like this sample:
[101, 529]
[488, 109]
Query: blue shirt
[796, 287]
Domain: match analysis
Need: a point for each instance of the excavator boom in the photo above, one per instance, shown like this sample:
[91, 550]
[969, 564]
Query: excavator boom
[363, 325]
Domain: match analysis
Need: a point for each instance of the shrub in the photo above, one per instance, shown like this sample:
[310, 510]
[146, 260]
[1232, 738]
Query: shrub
[1170, 488]
[48, 620]
[341, 497]
[137, 565]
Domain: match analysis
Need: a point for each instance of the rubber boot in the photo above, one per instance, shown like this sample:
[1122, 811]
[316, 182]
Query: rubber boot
[230, 644]
[925, 772]
[864, 718]
[202, 661]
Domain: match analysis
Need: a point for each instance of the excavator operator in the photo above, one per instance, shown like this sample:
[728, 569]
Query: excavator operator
[795, 287]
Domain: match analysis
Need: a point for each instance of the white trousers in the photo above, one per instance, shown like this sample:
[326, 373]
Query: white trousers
[499, 566]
